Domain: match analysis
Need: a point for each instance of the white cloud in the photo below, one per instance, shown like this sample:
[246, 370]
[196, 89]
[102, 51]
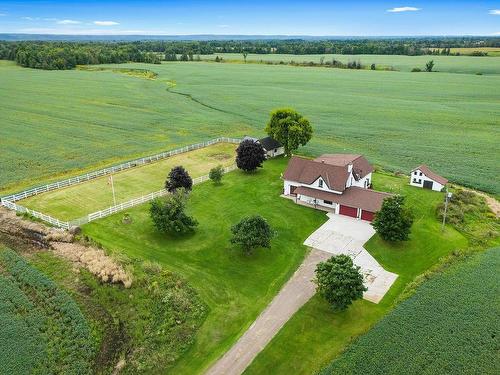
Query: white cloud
[30, 18]
[105, 23]
[495, 12]
[68, 22]
[3, 14]
[403, 9]
[223, 26]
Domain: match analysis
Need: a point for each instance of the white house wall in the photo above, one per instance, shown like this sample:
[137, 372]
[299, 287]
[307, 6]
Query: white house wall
[318, 202]
[361, 182]
[314, 185]
[436, 186]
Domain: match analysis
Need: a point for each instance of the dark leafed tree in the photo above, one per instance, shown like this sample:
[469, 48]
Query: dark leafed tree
[250, 155]
[339, 281]
[252, 232]
[290, 128]
[393, 222]
[178, 178]
[169, 216]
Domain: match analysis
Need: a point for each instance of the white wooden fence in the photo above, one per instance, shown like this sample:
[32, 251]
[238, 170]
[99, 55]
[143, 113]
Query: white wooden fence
[9, 201]
[116, 168]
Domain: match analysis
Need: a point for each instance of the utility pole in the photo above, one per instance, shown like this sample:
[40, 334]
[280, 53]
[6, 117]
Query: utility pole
[446, 199]
[112, 188]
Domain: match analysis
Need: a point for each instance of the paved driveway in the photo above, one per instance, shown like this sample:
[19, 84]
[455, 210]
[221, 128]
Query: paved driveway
[345, 235]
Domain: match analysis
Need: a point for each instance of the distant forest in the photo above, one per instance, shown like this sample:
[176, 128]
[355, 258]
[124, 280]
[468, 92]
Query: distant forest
[67, 55]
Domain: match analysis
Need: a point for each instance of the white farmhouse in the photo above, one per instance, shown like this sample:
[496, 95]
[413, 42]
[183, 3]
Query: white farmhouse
[337, 182]
[423, 177]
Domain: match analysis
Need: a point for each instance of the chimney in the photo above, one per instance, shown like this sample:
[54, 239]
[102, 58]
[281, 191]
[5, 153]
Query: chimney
[349, 167]
[323, 161]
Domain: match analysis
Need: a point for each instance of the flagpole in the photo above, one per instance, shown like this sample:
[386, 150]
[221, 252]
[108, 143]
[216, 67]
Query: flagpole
[113, 188]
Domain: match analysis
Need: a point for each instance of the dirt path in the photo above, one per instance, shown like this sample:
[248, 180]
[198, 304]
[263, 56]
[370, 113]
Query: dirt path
[296, 292]
[490, 201]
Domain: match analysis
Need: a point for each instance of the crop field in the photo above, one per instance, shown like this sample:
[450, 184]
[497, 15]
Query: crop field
[449, 326]
[492, 51]
[46, 331]
[397, 119]
[94, 195]
[446, 64]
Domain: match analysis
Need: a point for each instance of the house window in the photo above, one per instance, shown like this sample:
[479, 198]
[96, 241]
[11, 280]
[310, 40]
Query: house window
[419, 181]
[415, 173]
[415, 180]
[420, 173]
[320, 183]
[275, 150]
[327, 202]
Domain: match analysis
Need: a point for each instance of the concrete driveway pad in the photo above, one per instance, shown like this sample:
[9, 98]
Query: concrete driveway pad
[346, 235]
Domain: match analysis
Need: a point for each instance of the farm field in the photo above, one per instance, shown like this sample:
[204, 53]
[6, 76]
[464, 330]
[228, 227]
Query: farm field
[79, 200]
[46, 331]
[449, 324]
[375, 113]
[234, 286]
[492, 51]
[445, 64]
[315, 334]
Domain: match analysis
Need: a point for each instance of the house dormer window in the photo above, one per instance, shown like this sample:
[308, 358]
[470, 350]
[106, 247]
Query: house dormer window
[320, 183]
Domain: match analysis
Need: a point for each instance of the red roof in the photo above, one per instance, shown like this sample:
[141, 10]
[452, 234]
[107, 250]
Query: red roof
[366, 199]
[307, 171]
[361, 166]
[431, 174]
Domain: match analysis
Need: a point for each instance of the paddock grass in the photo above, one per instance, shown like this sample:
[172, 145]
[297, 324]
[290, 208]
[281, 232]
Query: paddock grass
[56, 121]
[234, 286]
[316, 334]
[94, 195]
[449, 326]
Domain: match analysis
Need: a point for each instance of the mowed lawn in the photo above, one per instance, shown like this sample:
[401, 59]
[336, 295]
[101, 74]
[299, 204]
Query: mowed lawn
[315, 334]
[79, 200]
[235, 287]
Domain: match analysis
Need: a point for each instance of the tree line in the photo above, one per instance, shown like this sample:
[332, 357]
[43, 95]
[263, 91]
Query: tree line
[67, 54]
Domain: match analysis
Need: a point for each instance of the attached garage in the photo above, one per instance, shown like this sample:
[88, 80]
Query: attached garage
[367, 215]
[348, 211]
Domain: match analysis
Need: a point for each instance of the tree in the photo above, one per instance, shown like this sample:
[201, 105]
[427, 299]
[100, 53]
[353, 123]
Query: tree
[250, 155]
[245, 54]
[168, 214]
[429, 66]
[339, 281]
[252, 232]
[178, 178]
[393, 222]
[289, 128]
[373, 67]
[216, 174]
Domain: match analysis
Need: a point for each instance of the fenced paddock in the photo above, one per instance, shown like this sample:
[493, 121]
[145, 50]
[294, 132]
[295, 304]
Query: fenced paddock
[59, 203]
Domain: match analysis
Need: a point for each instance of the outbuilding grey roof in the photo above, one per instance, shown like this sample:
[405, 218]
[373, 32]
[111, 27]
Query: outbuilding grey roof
[269, 143]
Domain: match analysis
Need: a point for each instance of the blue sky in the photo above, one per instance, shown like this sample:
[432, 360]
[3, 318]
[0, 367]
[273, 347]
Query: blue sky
[314, 17]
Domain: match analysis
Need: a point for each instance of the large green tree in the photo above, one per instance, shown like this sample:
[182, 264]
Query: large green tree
[252, 232]
[393, 222]
[169, 216]
[290, 128]
[339, 281]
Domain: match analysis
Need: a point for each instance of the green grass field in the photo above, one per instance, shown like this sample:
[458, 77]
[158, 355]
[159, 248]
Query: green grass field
[79, 200]
[450, 326]
[234, 286]
[316, 334]
[446, 64]
[55, 121]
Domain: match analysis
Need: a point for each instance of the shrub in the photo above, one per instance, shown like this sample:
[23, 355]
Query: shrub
[393, 222]
[416, 70]
[216, 174]
[252, 232]
[339, 281]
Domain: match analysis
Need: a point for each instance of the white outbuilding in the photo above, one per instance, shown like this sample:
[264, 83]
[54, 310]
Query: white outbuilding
[424, 177]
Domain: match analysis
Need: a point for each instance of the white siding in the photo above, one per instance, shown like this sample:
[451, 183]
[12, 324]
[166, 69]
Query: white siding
[417, 179]
[314, 185]
[363, 182]
[275, 152]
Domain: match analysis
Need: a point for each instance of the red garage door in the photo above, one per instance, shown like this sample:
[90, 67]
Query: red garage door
[367, 215]
[348, 211]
